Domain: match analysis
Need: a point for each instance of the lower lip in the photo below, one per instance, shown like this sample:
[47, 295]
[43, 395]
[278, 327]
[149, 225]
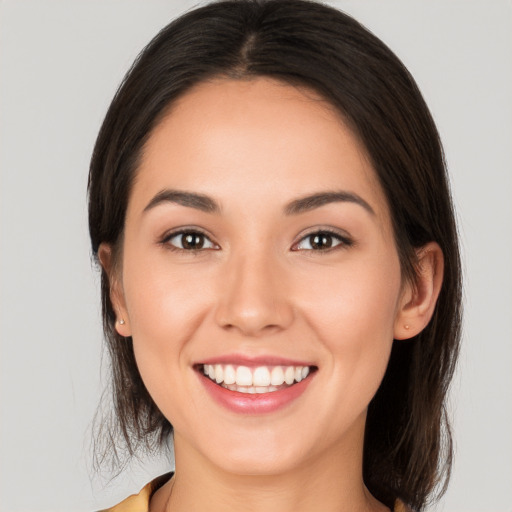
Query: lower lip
[257, 403]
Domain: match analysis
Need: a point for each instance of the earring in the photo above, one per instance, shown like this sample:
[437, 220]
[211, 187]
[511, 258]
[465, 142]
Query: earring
[121, 322]
[405, 326]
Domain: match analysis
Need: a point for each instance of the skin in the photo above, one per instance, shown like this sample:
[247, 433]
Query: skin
[257, 288]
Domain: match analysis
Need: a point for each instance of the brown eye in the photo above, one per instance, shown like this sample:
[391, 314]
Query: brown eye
[321, 241]
[190, 241]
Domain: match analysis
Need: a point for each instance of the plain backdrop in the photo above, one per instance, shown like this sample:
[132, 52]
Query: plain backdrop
[60, 64]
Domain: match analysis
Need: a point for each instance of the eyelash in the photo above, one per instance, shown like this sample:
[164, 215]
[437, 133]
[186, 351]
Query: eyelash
[183, 232]
[343, 241]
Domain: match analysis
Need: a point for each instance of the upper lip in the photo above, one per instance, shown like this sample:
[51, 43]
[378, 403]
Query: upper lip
[254, 361]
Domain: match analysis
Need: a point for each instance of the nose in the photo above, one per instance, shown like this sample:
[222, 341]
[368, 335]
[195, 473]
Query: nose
[253, 297]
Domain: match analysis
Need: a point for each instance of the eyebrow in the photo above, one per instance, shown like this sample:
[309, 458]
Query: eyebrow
[305, 204]
[189, 199]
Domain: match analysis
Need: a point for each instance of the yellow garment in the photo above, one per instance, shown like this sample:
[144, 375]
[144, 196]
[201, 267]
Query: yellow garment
[140, 502]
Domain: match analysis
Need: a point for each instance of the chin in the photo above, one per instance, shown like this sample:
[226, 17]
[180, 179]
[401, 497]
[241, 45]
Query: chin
[258, 453]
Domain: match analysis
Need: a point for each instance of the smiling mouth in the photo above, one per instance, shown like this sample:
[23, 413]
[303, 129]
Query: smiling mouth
[257, 380]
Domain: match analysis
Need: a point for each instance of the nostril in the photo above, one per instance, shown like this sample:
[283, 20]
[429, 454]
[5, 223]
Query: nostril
[252, 305]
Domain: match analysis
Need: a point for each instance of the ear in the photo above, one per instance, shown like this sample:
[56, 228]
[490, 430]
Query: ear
[419, 298]
[105, 255]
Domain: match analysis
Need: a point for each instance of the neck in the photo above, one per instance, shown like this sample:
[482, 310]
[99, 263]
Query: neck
[330, 482]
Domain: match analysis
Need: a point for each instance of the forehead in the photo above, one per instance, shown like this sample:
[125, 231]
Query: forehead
[254, 139]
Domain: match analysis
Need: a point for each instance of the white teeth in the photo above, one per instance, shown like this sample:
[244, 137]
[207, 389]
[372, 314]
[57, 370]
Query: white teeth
[229, 375]
[262, 379]
[277, 376]
[261, 376]
[219, 373]
[243, 376]
[250, 390]
[289, 375]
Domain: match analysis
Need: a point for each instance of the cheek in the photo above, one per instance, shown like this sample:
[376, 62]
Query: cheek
[165, 307]
[353, 312]
[161, 298]
[360, 296]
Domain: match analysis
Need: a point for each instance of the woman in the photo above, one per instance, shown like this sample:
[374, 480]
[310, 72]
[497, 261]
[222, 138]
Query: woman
[280, 270]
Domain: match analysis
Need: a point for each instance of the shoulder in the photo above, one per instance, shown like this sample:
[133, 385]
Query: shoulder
[140, 502]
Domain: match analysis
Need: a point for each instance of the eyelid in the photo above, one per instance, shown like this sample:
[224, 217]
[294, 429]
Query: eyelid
[169, 235]
[344, 238]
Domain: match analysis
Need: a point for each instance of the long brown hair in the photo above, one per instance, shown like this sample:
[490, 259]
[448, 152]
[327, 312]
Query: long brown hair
[408, 449]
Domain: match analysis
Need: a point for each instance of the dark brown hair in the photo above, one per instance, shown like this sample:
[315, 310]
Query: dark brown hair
[407, 451]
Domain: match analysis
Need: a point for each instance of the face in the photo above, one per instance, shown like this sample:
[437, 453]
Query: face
[259, 249]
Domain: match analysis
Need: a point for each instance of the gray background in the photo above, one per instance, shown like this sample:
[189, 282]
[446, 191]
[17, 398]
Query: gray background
[60, 63]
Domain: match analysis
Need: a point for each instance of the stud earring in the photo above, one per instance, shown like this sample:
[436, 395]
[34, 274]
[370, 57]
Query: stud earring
[121, 322]
[405, 326]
